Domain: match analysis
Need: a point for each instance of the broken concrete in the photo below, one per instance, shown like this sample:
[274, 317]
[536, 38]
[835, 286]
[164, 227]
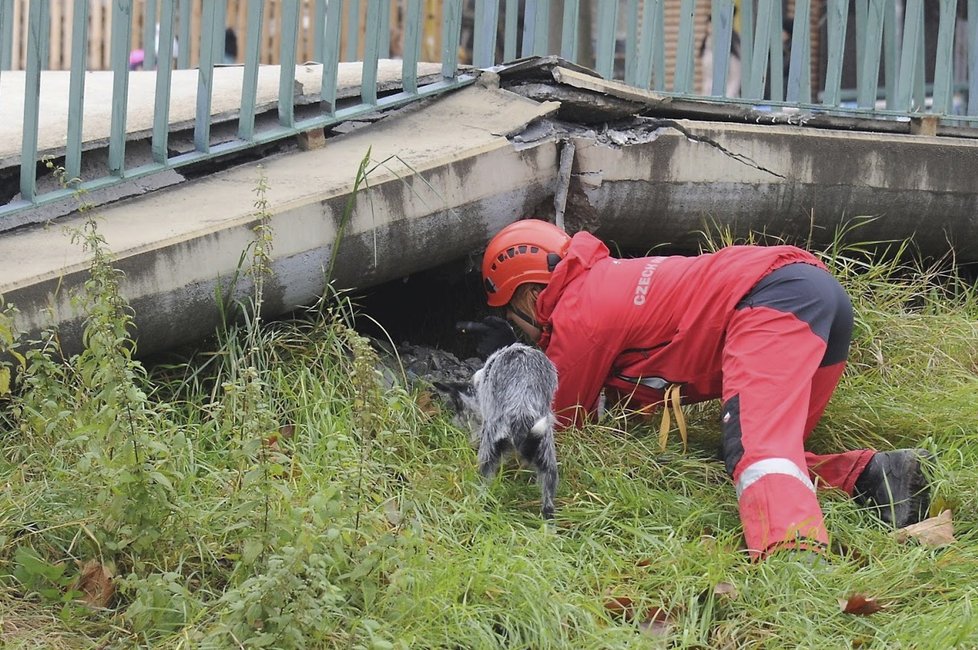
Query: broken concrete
[431, 194]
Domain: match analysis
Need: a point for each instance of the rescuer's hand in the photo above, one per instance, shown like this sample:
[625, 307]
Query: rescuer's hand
[493, 332]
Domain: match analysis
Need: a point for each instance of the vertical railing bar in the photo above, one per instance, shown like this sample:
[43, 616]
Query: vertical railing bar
[319, 28]
[512, 27]
[385, 31]
[631, 43]
[183, 41]
[484, 33]
[529, 27]
[249, 84]
[6, 33]
[286, 72]
[220, 36]
[643, 68]
[76, 91]
[800, 62]
[890, 54]
[762, 43]
[776, 54]
[837, 16]
[371, 51]
[685, 48]
[149, 35]
[972, 57]
[451, 32]
[862, 11]
[205, 77]
[721, 35]
[659, 46]
[541, 37]
[121, 43]
[164, 67]
[806, 72]
[944, 62]
[412, 46]
[868, 88]
[353, 31]
[569, 30]
[37, 34]
[607, 28]
[919, 90]
[747, 20]
[908, 59]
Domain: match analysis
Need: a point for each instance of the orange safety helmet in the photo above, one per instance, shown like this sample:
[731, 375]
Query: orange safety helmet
[524, 251]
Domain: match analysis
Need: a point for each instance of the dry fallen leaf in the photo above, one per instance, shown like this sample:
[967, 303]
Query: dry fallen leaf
[859, 604]
[428, 404]
[621, 607]
[725, 590]
[95, 584]
[656, 622]
[936, 531]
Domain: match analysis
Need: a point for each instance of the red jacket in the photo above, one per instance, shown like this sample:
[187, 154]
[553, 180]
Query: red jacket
[660, 320]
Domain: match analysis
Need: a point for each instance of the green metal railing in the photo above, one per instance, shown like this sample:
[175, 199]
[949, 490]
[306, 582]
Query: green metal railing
[376, 43]
[623, 39]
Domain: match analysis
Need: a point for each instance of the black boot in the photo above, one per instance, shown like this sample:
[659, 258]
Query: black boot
[895, 485]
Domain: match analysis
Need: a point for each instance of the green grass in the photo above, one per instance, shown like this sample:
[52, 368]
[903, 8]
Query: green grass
[364, 524]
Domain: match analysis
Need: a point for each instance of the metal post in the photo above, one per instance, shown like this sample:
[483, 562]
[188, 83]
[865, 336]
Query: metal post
[721, 37]
[837, 14]
[607, 37]
[331, 52]
[149, 35]
[569, 30]
[37, 36]
[371, 50]
[683, 79]
[512, 24]
[286, 72]
[183, 41]
[484, 34]
[205, 77]
[872, 39]
[451, 28]
[944, 62]
[164, 67]
[76, 92]
[912, 33]
[121, 43]
[6, 33]
[249, 88]
[530, 27]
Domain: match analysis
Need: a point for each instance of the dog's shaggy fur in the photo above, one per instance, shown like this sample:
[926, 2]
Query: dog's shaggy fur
[512, 393]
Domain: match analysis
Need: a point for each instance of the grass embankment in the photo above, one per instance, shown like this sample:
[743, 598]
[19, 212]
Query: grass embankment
[277, 493]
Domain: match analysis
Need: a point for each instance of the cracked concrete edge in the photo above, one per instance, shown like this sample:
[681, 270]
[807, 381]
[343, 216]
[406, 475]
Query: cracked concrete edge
[441, 195]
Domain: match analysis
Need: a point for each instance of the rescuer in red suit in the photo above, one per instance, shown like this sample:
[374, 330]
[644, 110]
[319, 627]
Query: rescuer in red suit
[766, 329]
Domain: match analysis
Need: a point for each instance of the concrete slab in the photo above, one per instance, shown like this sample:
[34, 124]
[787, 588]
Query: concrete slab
[442, 177]
[225, 102]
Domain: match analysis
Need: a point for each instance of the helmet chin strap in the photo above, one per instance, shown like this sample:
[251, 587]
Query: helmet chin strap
[526, 318]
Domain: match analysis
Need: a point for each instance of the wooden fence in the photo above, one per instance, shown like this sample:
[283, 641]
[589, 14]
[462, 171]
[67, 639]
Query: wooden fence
[62, 14]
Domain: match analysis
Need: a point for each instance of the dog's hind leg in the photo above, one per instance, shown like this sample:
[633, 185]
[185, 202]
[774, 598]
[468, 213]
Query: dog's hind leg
[542, 453]
[491, 449]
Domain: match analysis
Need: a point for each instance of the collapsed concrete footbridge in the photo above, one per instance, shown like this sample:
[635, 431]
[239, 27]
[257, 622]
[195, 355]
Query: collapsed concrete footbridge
[441, 175]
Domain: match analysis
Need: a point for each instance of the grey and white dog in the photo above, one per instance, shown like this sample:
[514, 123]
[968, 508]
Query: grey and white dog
[513, 394]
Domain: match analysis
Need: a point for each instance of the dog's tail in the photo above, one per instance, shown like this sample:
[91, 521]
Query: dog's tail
[540, 426]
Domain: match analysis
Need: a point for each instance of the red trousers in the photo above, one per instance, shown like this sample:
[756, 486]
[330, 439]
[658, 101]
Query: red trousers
[784, 353]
